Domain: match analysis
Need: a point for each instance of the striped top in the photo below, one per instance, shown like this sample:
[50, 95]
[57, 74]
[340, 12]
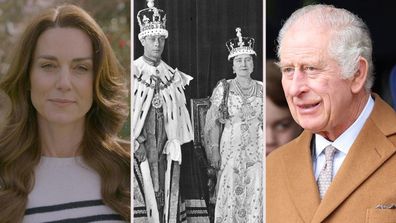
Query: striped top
[67, 191]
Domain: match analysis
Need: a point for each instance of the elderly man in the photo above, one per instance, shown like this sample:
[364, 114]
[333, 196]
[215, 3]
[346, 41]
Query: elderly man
[342, 168]
[160, 123]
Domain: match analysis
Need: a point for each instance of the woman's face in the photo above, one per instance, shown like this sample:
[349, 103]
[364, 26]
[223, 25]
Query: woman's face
[280, 126]
[243, 65]
[61, 76]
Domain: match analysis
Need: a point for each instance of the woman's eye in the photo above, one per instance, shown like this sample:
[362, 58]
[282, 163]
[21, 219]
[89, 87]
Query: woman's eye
[48, 66]
[82, 68]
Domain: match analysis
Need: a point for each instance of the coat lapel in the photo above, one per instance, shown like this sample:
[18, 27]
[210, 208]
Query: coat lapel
[370, 150]
[300, 178]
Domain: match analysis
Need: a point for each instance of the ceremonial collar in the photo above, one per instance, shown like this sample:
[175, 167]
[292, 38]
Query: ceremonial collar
[151, 62]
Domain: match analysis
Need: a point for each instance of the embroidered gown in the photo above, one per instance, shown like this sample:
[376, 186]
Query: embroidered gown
[239, 183]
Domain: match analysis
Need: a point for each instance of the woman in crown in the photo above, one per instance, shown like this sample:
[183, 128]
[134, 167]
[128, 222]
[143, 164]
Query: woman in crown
[234, 137]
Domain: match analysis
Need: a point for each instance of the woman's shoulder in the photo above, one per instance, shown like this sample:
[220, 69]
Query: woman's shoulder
[260, 88]
[218, 91]
[259, 82]
[222, 83]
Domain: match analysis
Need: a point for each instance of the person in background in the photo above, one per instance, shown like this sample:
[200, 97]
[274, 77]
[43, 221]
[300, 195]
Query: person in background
[280, 127]
[342, 167]
[160, 123]
[60, 154]
[233, 135]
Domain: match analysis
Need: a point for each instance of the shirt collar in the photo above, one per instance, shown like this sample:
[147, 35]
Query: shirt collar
[344, 142]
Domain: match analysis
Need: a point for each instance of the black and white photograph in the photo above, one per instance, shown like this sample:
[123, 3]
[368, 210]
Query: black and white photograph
[64, 105]
[197, 111]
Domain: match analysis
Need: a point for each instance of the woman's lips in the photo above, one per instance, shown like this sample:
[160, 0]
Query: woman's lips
[61, 101]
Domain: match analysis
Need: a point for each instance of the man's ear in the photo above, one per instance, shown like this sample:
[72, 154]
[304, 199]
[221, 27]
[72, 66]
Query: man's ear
[360, 76]
[142, 41]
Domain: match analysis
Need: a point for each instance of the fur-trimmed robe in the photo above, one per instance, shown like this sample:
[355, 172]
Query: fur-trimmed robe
[176, 119]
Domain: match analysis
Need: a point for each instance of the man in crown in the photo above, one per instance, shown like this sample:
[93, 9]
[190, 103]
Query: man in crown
[160, 123]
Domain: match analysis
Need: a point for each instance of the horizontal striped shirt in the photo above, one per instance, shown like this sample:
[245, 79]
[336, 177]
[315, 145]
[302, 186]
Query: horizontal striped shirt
[67, 191]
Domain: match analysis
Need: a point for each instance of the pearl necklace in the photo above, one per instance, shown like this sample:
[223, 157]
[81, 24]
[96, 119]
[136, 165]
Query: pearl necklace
[247, 110]
[244, 88]
[245, 91]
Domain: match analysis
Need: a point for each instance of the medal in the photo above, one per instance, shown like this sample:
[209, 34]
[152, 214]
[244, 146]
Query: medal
[157, 101]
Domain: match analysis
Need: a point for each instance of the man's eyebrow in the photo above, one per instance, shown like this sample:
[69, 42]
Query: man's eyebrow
[280, 64]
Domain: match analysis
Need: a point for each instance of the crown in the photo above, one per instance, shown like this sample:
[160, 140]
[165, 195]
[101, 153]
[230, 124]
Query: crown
[240, 45]
[152, 21]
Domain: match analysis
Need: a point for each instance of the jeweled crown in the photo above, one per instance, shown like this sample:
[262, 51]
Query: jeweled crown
[152, 21]
[240, 45]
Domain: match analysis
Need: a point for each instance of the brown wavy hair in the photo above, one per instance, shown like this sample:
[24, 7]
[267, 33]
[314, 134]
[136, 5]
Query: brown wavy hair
[101, 147]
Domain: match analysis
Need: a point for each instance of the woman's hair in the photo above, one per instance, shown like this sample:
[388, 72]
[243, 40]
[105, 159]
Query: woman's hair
[273, 84]
[350, 37]
[101, 148]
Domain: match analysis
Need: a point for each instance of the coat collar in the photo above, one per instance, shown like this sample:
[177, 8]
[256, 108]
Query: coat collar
[300, 178]
[371, 148]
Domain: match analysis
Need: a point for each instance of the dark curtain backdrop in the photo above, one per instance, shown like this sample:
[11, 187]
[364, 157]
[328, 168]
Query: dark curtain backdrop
[198, 30]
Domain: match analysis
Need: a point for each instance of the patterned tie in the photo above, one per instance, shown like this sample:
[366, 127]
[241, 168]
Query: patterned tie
[325, 176]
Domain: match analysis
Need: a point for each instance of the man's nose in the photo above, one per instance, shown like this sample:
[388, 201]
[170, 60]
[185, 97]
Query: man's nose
[156, 42]
[297, 83]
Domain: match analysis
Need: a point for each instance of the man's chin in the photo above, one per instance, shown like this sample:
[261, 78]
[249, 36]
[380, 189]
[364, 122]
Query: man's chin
[307, 125]
[157, 54]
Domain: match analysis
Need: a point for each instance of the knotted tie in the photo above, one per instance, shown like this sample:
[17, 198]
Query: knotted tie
[325, 176]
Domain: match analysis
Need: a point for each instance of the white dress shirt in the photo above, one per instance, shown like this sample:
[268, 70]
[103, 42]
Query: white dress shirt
[343, 143]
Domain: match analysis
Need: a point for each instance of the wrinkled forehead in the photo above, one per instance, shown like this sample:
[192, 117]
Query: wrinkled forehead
[305, 35]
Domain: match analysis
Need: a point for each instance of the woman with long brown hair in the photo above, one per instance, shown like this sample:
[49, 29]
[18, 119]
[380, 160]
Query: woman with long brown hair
[60, 156]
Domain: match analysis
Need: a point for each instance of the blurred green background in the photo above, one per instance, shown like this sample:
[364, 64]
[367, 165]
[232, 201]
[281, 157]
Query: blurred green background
[112, 15]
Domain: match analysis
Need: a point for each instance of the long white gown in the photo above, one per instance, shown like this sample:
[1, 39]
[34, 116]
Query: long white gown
[239, 185]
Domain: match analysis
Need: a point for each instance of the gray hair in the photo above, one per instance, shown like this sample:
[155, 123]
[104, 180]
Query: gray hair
[351, 37]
